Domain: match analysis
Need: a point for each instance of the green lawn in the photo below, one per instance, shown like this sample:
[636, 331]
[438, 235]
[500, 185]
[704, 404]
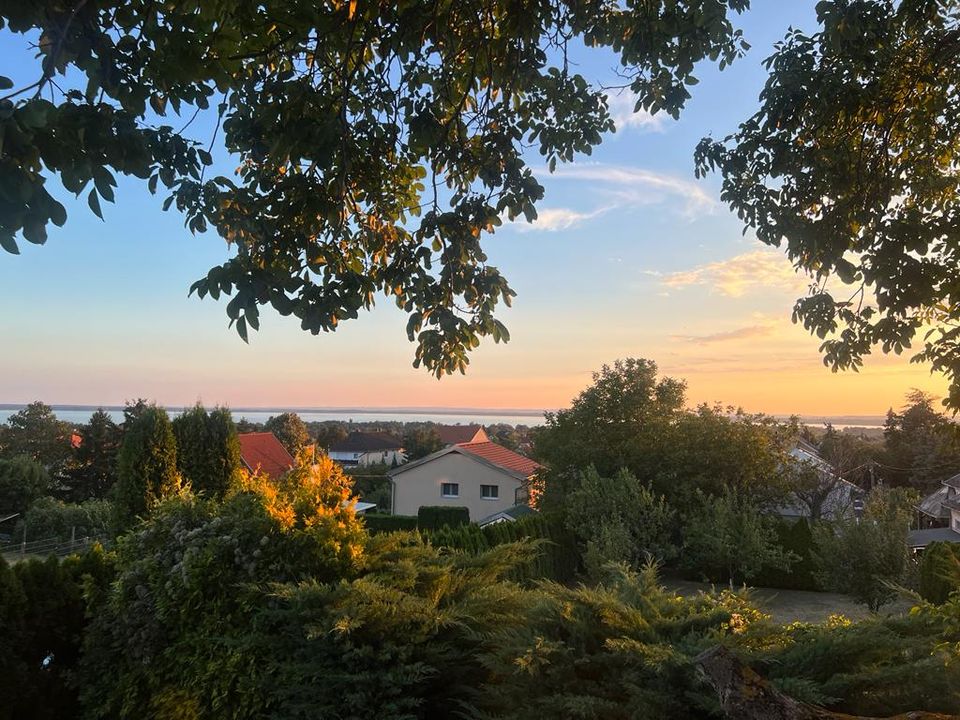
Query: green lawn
[787, 606]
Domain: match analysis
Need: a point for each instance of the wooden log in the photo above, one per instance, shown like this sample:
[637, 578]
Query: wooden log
[745, 695]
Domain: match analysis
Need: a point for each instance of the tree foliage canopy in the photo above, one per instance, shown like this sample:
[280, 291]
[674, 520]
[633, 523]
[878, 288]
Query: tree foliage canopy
[377, 142]
[146, 466]
[208, 449]
[851, 164]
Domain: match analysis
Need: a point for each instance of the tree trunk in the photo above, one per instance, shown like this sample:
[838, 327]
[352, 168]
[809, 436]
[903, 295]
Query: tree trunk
[745, 695]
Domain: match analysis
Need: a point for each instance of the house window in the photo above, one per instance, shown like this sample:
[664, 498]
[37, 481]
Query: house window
[490, 492]
[450, 490]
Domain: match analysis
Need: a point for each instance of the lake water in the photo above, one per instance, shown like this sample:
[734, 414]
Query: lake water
[80, 415]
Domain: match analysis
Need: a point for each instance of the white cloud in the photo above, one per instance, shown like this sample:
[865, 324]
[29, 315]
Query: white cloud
[621, 105]
[759, 269]
[633, 186]
[743, 333]
[550, 219]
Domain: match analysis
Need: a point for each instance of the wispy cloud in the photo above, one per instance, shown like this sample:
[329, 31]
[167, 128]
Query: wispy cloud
[621, 105]
[633, 186]
[552, 219]
[744, 333]
[759, 269]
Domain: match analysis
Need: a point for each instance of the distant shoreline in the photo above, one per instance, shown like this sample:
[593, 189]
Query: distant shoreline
[357, 410]
[839, 421]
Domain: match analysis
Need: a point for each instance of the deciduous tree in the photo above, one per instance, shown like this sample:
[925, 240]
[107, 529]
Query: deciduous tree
[620, 520]
[93, 470]
[850, 165]
[377, 143]
[290, 431]
[36, 433]
[727, 537]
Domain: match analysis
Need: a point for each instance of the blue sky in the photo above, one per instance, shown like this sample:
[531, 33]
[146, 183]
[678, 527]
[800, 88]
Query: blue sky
[631, 257]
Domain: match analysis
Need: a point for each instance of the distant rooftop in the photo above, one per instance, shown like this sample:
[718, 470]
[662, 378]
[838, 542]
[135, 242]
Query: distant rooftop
[262, 451]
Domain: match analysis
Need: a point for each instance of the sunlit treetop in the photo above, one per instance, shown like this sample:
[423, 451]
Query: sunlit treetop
[377, 143]
[851, 164]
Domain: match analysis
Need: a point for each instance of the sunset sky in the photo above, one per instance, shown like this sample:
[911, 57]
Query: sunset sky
[631, 256]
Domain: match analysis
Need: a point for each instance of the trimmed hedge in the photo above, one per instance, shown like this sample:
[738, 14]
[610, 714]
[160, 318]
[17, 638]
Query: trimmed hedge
[381, 523]
[558, 560]
[796, 537]
[434, 517]
[939, 571]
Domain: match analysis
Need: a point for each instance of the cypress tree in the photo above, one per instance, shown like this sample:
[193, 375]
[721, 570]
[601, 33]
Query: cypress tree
[146, 466]
[208, 449]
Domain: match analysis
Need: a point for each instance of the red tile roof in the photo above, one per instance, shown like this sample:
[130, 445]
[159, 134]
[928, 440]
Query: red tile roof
[502, 457]
[262, 450]
[459, 434]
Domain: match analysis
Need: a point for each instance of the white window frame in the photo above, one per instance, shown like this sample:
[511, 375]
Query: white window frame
[456, 490]
[496, 489]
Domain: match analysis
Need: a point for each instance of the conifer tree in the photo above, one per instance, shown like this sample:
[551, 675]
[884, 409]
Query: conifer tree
[146, 466]
[208, 449]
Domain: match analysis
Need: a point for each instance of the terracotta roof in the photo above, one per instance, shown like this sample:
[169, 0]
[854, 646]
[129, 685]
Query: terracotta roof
[502, 457]
[262, 450]
[459, 434]
[367, 442]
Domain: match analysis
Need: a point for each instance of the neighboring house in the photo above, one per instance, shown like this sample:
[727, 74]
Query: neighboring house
[833, 496]
[483, 477]
[262, 451]
[461, 434]
[949, 501]
[367, 448]
[932, 512]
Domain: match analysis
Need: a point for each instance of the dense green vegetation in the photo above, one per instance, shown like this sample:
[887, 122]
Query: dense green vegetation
[223, 591]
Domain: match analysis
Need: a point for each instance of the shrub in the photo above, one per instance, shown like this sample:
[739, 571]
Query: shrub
[21, 482]
[50, 518]
[864, 558]
[796, 538]
[381, 523]
[939, 571]
[729, 538]
[619, 519]
[42, 648]
[434, 517]
[556, 557]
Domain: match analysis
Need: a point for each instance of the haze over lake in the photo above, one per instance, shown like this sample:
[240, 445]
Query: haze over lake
[450, 416]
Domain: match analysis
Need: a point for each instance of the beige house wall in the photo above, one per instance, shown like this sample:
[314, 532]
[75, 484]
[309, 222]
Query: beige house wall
[421, 486]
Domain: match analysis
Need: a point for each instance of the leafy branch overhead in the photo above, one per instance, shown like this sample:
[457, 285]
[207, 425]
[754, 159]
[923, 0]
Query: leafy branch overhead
[851, 164]
[377, 143]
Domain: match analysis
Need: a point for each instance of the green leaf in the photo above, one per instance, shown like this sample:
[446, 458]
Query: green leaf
[5, 83]
[159, 103]
[9, 244]
[242, 329]
[58, 213]
[104, 183]
[94, 203]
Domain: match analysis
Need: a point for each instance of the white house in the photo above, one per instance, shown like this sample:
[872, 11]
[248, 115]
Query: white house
[368, 448]
[946, 501]
[486, 478]
[833, 496]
